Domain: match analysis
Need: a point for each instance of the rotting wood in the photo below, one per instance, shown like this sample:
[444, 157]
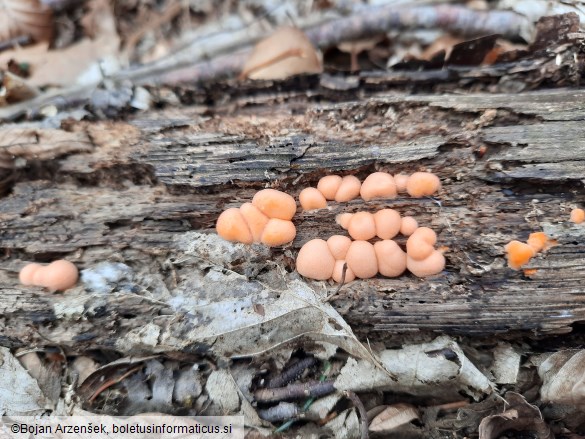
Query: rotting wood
[506, 173]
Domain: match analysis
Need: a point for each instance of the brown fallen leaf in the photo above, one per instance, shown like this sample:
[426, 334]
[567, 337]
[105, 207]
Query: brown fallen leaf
[354, 48]
[68, 66]
[108, 375]
[563, 376]
[285, 53]
[444, 43]
[519, 416]
[393, 417]
[15, 89]
[83, 367]
[25, 17]
[46, 371]
[39, 144]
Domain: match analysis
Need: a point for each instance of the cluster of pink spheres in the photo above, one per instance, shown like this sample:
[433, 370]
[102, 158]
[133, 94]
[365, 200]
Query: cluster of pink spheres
[320, 259]
[57, 276]
[267, 220]
[376, 185]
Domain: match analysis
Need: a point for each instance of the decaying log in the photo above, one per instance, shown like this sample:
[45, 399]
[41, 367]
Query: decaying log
[510, 165]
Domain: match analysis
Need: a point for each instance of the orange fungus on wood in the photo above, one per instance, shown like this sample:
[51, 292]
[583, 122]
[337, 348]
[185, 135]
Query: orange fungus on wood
[275, 204]
[231, 226]
[539, 241]
[518, 254]
[315, 261]
[362, 226]
[278, 232]
[311, 199]
[57, 276]
[348, 189]
[577, 216]
[378, 185]
[422, 184]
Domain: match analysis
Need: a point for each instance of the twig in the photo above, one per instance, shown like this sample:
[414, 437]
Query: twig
[158, 21]
[222, 67]
[369, 21]
[111, 382]
[342, 283]
[61, 5]
[309, 401]
[452, 405]
[189, 66]
[76, 95]
[312, 388]
[22, 40]
[282, 411]
[362, 411]
[291, 374]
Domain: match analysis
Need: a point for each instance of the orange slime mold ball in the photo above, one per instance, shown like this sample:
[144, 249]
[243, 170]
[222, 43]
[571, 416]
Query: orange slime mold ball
[518, 254]
[577, 216]
[422, 184]
[58, 275]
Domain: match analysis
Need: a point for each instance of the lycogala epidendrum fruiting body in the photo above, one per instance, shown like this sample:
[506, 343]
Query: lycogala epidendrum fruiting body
[267, 219]
[57, 276]
[378, 185]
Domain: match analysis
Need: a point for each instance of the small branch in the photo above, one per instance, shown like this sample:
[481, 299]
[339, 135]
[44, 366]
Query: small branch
[76, 95]
[357, 402]
[61, 5]
[157, 22]
[366, 22]
[22, 40]
[111, 382]
[284, 411]
[189, 65]
[342, 283]
[291, 374]
[315, 389]
[369, 21]
[222, 67]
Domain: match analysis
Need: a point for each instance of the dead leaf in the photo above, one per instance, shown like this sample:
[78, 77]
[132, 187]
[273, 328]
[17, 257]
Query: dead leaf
[444, 43]
[223, 393]
[25, 17]
[18, 142]
[520, 416]
[47, 372]
[285, 53]
[506, 364]
[110, 373]
[470, 417]
[218, 305]
[472, 52]
[19, 392]
[80, 63]
[563, 376]
[393, 417]
[15, 89]
[439, 369]
[553, 30]
[345, 425]
[187, 387]
[83, 366]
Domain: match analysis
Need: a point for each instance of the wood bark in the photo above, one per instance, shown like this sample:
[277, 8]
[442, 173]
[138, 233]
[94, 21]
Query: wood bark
[123, 191]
